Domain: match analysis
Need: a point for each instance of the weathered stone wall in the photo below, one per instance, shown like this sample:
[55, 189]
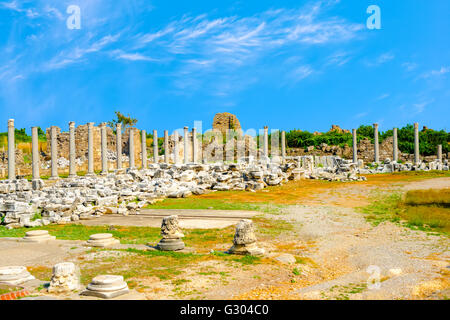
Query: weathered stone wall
[224, 121]
[81, 142]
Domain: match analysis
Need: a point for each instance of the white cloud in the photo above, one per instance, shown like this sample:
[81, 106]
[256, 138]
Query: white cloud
[381, 59]
[436, 73]
[420, 107]
[119, 54]
[383, 96]
[302, 72]
[409, 66]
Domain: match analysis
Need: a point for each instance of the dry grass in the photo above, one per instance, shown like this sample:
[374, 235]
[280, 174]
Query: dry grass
[426, 210]
[428, 197]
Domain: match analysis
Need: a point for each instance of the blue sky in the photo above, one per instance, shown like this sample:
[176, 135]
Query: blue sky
[285, 64]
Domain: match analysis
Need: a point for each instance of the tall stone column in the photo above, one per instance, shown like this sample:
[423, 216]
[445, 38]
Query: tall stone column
[131, 149]
[194, 145]
[119, 145]
[283, 144]
[175, 147]
[155, 146]
[144, 149]
[72, 151]
[104, 148]
[416, 144]
[266, 141]
[376, 146]
[186, 145]
[35, 153]
[355, 146]
[90, 171]
[11, 151]
[395, 145]
[166, 146]
[54, 153]
[439, 153]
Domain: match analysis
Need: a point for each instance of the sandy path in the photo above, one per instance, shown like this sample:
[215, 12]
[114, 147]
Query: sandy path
[411, 264]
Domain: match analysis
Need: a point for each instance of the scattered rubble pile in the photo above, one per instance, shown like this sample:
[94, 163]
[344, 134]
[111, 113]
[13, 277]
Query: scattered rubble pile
[32, 204]
[388, 166]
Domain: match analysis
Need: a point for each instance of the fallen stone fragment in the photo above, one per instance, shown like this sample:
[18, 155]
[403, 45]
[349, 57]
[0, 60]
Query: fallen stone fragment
[244, 242]
[65, 278]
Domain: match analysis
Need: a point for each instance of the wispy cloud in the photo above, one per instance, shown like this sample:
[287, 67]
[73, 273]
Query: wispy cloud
[194, 46]
[119, 54]
[409, 66]
[435, 73]
[302, 72]
[383, 96]
[381, 59]
[420, 107]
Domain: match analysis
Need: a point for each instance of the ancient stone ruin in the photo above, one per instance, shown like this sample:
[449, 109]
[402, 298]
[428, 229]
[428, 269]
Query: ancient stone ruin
[14, 275]
[101, 240]
[106, 287]
[65, 278]
[171, 235]
[244, 241]
[226, 121]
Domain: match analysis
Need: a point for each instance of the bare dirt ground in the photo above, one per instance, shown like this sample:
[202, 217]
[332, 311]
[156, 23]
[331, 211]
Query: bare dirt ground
[411, 264]
[339, 255]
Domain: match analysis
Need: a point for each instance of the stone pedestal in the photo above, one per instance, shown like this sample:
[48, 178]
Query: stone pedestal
[38, 236]
[14, 275]
[106, 287]
[244, 242]
[101, 240]
[65, 278]
[171, 235]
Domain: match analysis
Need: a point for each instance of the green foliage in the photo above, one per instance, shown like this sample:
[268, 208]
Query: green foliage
[124, 120]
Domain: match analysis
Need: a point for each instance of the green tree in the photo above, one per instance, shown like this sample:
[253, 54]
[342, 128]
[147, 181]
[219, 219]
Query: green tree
[124, 120]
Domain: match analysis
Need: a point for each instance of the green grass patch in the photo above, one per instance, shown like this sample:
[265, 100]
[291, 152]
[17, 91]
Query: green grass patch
[426, 210]
[194, 202]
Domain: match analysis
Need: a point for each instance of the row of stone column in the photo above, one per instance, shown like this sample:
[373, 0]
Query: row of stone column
[394, 145]
[72, 152]
[90, 171]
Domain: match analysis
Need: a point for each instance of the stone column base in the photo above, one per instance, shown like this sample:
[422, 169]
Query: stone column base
[246, 249]
[170, 245]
